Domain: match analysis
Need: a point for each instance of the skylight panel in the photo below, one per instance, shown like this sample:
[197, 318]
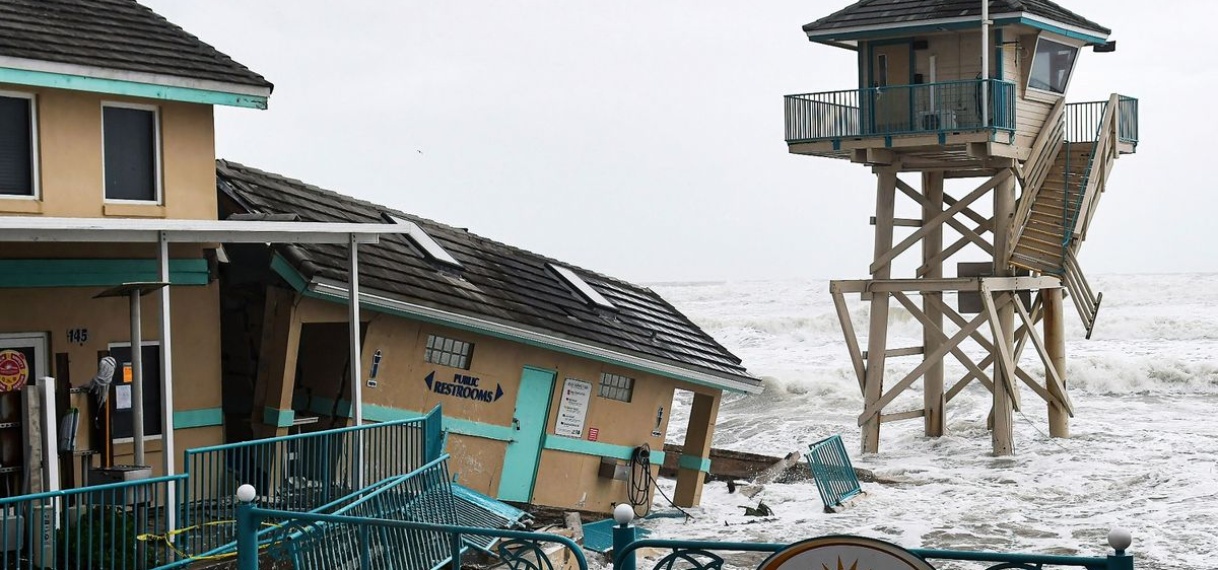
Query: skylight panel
[582, 287]
[423, 241]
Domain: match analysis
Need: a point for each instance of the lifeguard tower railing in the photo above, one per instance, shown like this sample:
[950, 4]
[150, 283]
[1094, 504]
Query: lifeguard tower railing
[928, 108]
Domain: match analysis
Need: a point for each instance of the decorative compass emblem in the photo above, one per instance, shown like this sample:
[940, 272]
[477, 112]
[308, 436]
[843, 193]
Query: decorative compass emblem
[844, 553]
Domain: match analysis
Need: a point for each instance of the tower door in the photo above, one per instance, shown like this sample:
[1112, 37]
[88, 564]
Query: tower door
[890, 78]
[524, 452]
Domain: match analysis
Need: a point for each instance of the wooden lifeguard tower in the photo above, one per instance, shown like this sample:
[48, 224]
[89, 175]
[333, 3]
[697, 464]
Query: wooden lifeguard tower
[925, 109]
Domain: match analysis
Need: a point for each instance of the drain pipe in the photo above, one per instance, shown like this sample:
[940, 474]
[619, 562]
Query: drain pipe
[985, 63]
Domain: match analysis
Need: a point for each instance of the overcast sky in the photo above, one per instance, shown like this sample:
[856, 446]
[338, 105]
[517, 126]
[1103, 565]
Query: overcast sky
[644, 139]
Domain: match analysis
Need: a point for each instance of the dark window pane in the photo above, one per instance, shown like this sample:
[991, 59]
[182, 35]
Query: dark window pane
[16, 151]
[130, 145]
[1051, 66]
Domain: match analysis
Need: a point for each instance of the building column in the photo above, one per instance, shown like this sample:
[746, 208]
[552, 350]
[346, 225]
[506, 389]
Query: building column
[932, 245]
[877, 332]
[276, 379]
[698, 435]
[1004, 209]
[1055, 346]
[168, 443]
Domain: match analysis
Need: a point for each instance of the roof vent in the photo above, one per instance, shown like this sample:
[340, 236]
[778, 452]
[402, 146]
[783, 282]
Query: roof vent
[582, 287]
[424, 242]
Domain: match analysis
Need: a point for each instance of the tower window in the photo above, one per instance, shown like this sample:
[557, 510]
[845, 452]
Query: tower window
[1052, 66]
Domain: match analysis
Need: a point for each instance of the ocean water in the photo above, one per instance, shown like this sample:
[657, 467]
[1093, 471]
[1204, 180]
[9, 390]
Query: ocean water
[1143, 451]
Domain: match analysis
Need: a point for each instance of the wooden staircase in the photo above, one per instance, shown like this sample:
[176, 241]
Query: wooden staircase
[1062, 180]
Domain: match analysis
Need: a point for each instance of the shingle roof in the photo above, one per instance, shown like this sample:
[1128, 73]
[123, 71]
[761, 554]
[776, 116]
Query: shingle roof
[878, 12]
[498, 282]
[113, 34]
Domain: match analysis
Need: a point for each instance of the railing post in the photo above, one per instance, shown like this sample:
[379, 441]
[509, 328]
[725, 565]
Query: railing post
[623, 536]
[455, 545]
[1119, 539]
[247, 529]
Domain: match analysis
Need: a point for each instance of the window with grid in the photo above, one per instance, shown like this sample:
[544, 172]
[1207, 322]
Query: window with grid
[616, 387]
[448, 352]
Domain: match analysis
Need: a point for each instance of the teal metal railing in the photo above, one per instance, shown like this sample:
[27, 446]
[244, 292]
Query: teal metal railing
[298, 472]
[117, 526]
[832, 471]
[696, 555]
[1127, 117]
[308, 541]
[899, 110]
[1083, 120]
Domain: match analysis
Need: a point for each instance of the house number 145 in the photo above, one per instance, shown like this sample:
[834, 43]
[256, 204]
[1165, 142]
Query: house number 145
[78, 336]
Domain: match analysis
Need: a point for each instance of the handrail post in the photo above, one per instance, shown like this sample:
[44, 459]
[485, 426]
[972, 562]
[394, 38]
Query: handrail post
[455, 545]
[247, 529]
[623, 535]
[1119, 539]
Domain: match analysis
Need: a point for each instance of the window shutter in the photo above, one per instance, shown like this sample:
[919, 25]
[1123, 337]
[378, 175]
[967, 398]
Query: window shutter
[16, 152]
[130, 147]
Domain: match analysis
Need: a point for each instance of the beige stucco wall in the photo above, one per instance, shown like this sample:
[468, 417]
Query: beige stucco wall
[196, 353]
[70, 158]
[565, 479]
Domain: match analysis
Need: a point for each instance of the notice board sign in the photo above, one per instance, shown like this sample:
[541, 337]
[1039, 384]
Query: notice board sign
[573, 408]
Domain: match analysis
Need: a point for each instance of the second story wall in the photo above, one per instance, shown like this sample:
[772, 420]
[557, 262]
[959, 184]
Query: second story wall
[164, 165]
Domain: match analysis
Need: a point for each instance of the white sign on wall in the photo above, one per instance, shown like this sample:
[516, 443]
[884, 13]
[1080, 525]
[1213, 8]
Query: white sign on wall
[573, 408]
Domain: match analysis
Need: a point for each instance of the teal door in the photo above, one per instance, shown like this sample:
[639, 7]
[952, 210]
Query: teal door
[524, 451]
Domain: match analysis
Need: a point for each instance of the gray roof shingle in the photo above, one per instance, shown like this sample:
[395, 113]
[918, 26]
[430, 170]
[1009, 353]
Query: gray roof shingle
[878, 12]
[497, 282]
[113, 34]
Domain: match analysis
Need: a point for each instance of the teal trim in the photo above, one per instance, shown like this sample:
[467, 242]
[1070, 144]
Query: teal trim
[478, 429]
[293, 277]
[22, 273]
[288, 273]
[828, 37]
[863, 59]
[998, 51]
[1060, 31]
[597, 448]
[129, 88]
[695, 463]
[203, 417]
[278, 418]
[382, 414]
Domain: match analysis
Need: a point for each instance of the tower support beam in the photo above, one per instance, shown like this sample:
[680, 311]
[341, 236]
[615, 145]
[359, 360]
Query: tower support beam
[873, 388]
[1004, 392]
[1055, 346]
[932, 246]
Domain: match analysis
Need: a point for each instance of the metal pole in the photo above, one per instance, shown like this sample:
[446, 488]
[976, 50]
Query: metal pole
[357, 403]
[137, 379]
[985, 63]
[357, 398]
[247, 536]
[623, 536]
[168, 449]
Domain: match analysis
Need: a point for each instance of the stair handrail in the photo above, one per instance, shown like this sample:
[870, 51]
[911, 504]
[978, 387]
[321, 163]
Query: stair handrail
[1111, 153]
[1096, 171]
[1036, 169]
[1086, 301]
